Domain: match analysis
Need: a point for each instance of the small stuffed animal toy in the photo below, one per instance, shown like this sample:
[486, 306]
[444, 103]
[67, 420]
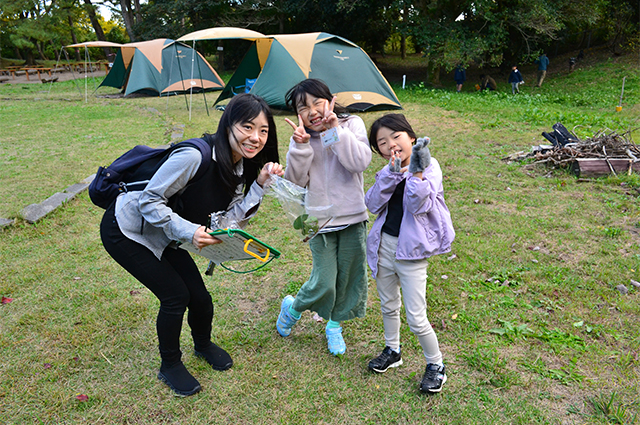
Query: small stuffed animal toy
[420, 155]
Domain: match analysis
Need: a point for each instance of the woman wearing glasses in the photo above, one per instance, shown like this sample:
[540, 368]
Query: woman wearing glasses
[140, 229]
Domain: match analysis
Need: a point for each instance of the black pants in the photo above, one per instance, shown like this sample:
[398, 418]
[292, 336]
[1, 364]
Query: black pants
[174, 279]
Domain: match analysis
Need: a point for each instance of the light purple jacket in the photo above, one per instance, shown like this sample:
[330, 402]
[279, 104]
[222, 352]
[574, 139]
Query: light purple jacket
[426, 227]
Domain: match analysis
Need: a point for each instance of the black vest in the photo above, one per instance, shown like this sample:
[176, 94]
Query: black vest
[202, 197]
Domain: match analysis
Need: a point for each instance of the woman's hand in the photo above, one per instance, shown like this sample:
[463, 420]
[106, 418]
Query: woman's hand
[329, 118]
[300, 135]
[268, 169]
[201, 238]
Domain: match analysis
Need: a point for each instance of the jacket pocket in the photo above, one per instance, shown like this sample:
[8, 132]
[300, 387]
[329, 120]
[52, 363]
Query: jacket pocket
[424, 222]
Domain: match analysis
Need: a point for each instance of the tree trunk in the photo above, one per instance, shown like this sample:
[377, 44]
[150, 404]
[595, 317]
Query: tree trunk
[91, 11]
[138, 15]
[426, 77]
[436, 76]
[127, 16]
[41, 51]
[55, 51]
[18, 55]
[30, 60]
[74, 39]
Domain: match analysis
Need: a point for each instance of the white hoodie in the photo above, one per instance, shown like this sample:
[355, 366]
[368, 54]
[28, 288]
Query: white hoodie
[333, 175]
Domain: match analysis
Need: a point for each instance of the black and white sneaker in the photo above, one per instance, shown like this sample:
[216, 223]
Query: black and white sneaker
[388, 358]
[433, 379]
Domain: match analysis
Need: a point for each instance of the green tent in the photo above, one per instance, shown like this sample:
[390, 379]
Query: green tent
[276, 63]
[161, 67]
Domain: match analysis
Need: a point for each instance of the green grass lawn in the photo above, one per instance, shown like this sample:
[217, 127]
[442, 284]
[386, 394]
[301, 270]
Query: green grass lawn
[530, 323]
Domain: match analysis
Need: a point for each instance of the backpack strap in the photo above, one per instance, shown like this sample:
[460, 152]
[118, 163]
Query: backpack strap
[205, 150]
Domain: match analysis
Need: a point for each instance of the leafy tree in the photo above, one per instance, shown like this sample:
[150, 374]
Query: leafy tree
[39, 27]
[621, 21]
[492, 32]
[367, 23]
[28, 25]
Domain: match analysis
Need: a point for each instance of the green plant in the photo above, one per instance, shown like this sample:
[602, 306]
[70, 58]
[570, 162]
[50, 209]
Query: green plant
[511, 331]
[307, 224]
[566, 375]
[612, 410]
[612, 232]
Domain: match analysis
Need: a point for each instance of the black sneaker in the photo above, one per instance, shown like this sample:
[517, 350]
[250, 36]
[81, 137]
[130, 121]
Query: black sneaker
[178, 378]
[433, 379]
[215, 356]
[388, 358]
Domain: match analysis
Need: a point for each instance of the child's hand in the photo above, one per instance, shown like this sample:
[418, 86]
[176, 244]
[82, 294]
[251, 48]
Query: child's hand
[395, 163]
[420, 155]
[300, 135]
[329, 118]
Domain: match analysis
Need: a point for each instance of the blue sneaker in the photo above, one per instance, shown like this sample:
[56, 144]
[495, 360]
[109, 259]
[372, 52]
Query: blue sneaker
[285, 320]
[335, 341]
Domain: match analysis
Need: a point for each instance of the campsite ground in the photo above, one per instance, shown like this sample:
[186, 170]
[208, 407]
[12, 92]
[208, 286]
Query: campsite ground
[530, 321]
[65, 75]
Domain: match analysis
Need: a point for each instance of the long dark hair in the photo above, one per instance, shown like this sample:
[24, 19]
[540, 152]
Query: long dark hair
[241, 109]
[316, 88]
[394, 122]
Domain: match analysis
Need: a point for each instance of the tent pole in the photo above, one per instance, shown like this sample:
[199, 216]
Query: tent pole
[186, 102]
[93, 76]
[193, 55]
[175, 49]
[56, 67]
[72, 73]
[86, 52]
[204, 96]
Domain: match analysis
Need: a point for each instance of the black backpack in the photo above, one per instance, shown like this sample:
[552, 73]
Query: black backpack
[134, 169]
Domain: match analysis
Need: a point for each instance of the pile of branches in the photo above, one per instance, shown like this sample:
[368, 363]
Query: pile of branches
[605, 144]
[566, 148]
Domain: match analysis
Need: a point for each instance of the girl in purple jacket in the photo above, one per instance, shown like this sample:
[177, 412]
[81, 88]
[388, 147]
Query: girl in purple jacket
[413, 224]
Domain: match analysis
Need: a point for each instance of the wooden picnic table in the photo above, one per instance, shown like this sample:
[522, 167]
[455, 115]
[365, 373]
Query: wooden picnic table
[107, 66]
[8, 70]
[38, 70]
[80, 66]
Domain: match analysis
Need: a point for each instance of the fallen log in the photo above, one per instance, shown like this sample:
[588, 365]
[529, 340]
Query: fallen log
[599, 167]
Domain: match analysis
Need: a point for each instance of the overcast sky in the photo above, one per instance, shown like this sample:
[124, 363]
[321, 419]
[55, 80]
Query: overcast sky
[105, 12]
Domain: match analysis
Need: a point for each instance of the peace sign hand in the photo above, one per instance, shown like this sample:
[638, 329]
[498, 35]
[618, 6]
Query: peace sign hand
[329, 118]
[300, 135]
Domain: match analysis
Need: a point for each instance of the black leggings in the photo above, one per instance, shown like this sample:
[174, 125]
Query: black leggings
[174, 279]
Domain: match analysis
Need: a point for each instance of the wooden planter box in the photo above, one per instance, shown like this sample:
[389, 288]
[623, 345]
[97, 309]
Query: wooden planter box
[599, 167]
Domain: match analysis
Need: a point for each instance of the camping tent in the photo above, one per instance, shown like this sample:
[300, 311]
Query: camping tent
[222, 33]
[278, 62]
[161, 67]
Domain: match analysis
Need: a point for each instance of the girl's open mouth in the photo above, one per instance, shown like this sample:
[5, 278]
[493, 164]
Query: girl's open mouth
[316, 121]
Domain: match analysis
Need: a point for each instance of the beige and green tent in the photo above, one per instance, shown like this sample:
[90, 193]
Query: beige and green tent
[276, 63]
[161, 67]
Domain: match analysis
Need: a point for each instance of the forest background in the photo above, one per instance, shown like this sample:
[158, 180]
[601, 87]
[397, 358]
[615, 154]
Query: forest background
[475, 33]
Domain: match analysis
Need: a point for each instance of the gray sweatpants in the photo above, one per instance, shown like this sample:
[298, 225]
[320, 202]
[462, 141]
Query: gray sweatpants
[411, 276]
